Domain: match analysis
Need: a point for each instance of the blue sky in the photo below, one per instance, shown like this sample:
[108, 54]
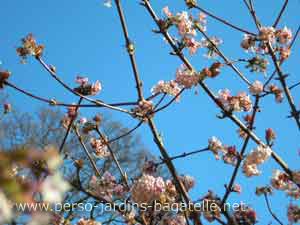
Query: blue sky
[84, 37]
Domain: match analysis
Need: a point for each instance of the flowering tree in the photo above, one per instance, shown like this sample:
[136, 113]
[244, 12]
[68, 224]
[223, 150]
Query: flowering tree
[145, 197]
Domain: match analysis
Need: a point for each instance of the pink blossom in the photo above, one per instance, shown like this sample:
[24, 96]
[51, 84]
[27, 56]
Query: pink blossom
[256, 88]
[81, 80]
[284, 36]
[186, 77]
[96, 87]
[166, 11]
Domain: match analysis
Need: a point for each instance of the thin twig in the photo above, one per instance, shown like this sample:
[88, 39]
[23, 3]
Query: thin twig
[87, 153]
[122, 173]
[270, 210]
[130, 50]
[224, 21]
[97, 102]
[280, 13]
[69, 127]
[183, 155]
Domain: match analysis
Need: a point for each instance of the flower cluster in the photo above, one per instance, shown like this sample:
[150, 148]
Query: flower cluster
[142, 110]
[4, 75]
[211, 46]
[100, 147]
[85, 88]
[107, 186]
[280, 180]
[188, 182]
[186, 26]
[256, 88]
[281, 37]
[212, 71]
[245, 216]
[169, 87]
[277, 92]
[185, 77]
[212, 203]
[147, 188]
[293, 213]
[83, 221]
[230, 155]
[238, 103]
[29, 47]
[257, 64]
[69, 117]
[169, 219]
[257, 156]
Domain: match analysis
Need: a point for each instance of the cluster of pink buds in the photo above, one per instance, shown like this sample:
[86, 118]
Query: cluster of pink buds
[212, 71]
[90, 125]
[4, 75]
[100, 147]
[230, 155]
[188, 182]
[170, 219]
[238, 103]
[211, 46]
[257, 156]
[186, 77]
[147, 189]
[83, 221]
[107, 186]
[29, 47]
[70, 116]
[282, 181]
[277, 92]
[245, 215]
[270, 135]
[143, 109]
[256, 88]
[269, 35]
[293, 213]
[186, 26]
[167, 87]
[211, 209]
[85, 88]
[6, 108]
[257, 64]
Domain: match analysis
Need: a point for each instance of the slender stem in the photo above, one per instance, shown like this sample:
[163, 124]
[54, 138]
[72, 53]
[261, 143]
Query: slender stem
[87, 153]
[224, 21]
[130, 50]
[280, 13]
[170, 102]
[127, 133]
[183, 155]
[97, 102]
[123, 174]
[179, 186]
[270, 210]
[228, 62]
[69, 127]
[239, 160]
[287, 92]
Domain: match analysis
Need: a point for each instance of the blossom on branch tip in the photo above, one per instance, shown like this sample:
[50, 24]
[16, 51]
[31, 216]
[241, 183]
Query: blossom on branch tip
[4, 75]
[283, 36]
[186, 77]
[85, 88]
[29, 47]
[256, 88]
[100, 147]
[167, 87]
